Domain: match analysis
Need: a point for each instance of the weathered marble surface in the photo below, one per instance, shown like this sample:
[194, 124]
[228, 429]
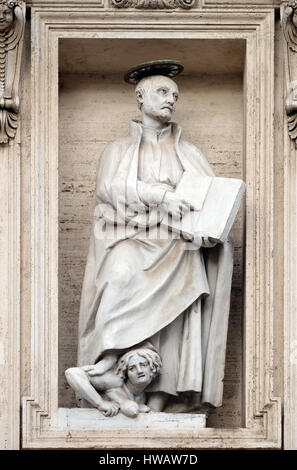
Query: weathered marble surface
[90, 419]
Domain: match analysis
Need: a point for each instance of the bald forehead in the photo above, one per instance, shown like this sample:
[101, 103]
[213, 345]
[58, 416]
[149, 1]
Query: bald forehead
[156, 81]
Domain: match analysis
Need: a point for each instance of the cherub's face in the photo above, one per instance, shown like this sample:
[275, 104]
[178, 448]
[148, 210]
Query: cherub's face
[6, 17]
[160, 97]
[139, 371]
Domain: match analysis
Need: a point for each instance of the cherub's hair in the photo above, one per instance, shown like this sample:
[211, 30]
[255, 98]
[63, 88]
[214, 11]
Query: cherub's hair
[151, 356]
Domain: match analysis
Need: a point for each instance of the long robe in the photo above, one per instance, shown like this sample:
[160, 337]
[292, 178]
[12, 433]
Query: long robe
[139, 287]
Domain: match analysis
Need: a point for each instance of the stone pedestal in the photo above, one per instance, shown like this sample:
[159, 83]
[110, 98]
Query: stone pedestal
[91, 419]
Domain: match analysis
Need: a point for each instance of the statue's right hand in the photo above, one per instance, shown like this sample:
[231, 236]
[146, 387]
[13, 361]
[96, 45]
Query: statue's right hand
[174, 206]
[109, 409]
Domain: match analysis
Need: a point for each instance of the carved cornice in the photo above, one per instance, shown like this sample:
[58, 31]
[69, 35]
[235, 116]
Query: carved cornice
[153, 4]
[12, 25]
[238, 5]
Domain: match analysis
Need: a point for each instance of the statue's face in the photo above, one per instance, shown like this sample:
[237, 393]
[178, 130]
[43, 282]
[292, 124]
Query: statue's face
[6, 17]
[139, 371]
[160, 97]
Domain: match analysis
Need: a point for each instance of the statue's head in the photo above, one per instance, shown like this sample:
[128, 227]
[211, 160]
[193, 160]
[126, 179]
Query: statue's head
[157, 96]
[7, 13]
[156, 92]
[139, 366]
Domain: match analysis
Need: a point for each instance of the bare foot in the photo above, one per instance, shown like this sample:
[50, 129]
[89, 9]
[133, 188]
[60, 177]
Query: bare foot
[102, 366]
[129, 408]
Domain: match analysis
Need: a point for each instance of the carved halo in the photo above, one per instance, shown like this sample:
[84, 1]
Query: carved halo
[167, 67]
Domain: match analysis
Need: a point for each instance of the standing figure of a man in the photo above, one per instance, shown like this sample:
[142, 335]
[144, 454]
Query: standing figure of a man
[154, 289]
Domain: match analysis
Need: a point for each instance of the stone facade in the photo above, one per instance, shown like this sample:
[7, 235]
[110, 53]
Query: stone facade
[73, 57]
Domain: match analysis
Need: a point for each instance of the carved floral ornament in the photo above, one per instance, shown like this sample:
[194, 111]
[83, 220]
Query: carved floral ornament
[151, 4]
[12, 24]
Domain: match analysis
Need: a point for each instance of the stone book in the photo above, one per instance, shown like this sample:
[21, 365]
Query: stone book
[214, 203]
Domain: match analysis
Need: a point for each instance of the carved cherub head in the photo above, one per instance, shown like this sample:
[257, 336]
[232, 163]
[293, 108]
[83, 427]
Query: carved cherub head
[157, 96]
[139, 366]
[7, 13]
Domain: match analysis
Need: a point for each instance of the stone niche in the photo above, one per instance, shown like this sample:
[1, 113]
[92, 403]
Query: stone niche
[95, 107]
[79, 104]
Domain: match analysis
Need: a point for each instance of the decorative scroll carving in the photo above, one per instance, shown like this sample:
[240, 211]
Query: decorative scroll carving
[12, 24]
[160, 4]
[289, 23]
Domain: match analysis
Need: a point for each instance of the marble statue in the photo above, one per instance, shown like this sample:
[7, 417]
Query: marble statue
[123, 387]
[146, 284]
